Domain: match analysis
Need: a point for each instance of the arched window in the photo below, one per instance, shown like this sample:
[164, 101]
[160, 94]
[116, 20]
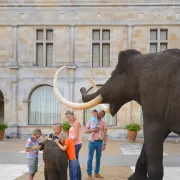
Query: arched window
[110, 120]
[44, 108]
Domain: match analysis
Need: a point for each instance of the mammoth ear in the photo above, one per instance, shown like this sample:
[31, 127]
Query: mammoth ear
[122, 62]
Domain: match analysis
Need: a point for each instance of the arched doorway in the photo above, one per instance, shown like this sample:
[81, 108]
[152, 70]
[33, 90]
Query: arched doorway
[110, 120]
[1, 107]
[44, 108]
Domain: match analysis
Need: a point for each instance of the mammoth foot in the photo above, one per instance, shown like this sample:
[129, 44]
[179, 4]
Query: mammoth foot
[137, 177]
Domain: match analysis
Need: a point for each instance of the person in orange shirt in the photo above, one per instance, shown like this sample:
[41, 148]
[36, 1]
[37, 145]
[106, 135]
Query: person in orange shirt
[69, 147]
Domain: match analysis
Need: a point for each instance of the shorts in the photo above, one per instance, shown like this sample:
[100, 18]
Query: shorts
[32, 165]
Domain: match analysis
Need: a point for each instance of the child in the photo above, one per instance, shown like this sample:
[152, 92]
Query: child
[94, 124]
[32, 149]
[69, 147]
[57, 131]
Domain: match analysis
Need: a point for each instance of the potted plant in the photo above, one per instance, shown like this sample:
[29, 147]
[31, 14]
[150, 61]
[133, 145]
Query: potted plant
[66, 126]
[132, 128]
[3, 126]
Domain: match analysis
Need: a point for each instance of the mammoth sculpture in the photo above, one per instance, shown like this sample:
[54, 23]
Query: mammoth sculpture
[55, 161]
[153, 81]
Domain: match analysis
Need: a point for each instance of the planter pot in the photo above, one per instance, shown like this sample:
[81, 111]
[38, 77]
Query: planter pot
[132, 136]
[2, 135]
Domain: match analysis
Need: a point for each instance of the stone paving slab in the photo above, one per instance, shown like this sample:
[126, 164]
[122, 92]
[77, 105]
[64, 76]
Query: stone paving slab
[12, 171]
[132, 148]
[170, 173]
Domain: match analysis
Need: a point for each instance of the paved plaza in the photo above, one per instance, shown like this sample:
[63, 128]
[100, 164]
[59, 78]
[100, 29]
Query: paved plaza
[119, 157]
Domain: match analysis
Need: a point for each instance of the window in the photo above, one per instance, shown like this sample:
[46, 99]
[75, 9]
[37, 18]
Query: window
[158, 40]
[101, 48]
[44, 47]
[44, 108]
[110, 120]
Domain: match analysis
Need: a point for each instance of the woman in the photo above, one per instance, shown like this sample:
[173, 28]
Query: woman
[75, 133]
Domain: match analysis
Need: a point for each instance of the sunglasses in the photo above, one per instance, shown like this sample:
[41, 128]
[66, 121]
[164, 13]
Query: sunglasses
[69, 112]
[57, 124]
[37, 136]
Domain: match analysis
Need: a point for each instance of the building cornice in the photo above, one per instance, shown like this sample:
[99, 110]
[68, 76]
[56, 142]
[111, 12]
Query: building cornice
[79, 9]
[94, 23]
[88, 4]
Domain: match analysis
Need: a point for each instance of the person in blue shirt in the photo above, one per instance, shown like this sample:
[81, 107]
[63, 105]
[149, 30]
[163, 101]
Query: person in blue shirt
[94, 124]
[57, 131]
[32, 149]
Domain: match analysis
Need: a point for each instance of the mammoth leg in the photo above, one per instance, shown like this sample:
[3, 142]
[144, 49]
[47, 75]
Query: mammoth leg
[45, 173]
[62, 170]
[52, 171]
[63, 174]
[154, 151]
[141, 165]
[62, 166]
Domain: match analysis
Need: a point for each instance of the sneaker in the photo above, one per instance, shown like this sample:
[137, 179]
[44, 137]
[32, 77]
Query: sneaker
[98, 176]
[90, 177]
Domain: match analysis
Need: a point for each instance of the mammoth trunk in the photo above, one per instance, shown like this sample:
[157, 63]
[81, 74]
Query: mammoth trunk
[88, 97]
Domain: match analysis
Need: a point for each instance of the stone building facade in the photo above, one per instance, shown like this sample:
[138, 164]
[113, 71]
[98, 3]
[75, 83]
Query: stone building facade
[39, 36]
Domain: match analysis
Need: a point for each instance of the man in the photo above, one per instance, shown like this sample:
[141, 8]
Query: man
[97, 144]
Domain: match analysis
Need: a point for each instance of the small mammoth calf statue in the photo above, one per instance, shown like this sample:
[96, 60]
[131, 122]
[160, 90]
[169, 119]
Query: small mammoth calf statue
[55, 161]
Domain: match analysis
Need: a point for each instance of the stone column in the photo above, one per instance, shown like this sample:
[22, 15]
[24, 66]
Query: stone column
[14, 113]
[15, 92]
[130, 28]
[72, 61]
[54, 54]
[72, 67]
[5, 110]
[15, 45]
[14, 69]
[25, 110]
[129, 105]
[71, 78]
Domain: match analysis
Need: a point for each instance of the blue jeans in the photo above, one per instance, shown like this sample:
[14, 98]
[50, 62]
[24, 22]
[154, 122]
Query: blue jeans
[74, 169]
[92, 146]
[77, 148]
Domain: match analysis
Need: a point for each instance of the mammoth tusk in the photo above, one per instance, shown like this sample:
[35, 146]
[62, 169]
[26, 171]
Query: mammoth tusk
[104, 107]
[73, 105]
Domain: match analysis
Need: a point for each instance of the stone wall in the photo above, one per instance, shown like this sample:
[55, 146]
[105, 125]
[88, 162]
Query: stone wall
[72, 22]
